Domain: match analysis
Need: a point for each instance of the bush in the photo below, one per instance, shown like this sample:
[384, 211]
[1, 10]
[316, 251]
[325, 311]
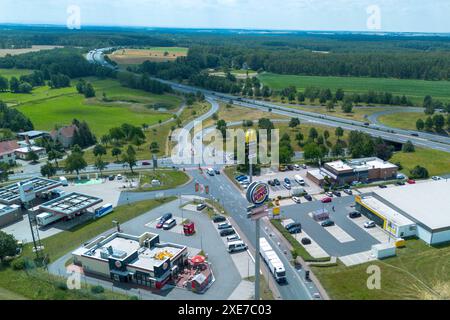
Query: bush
[134, 298]
[97, 289]
[419, 173]
[18, 264]
[61, 286]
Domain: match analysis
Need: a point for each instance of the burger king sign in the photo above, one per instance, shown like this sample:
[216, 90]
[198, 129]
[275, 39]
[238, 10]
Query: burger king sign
[257, 193]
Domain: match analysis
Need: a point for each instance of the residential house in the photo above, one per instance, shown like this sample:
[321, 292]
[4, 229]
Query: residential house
[64, 135]
[7, 154]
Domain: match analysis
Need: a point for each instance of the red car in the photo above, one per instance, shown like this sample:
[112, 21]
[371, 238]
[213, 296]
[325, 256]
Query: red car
[326, 200]
[145, 163]
[411, 181]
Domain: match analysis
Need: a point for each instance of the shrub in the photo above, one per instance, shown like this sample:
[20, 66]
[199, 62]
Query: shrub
[97, 289]
[18, 264]
[61, 286]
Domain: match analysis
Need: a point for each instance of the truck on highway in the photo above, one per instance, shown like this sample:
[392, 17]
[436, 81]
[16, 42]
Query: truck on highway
[44, 219]
[272, 260]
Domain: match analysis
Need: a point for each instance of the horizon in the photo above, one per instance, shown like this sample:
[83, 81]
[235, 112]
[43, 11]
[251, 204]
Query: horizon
[403, 16]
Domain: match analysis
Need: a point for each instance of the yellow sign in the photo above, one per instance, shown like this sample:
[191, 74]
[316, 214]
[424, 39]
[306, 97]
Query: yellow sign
[276, 211]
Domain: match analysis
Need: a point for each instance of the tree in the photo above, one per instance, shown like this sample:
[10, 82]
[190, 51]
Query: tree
[347, 107]
[408, 147]
[382, 149]
[105, 139]
[419, 172]
[100, 165]
[154, 147]
[313, 134]
[89, 91]
[25, 87]
[32, 156]
[338, 149]
[54, 155]
[129, 157]
[428, 105]
[420, 125]
[438, 122]
[313, 152]
[339, 133]
[75, 162]
[299, 137]
[8, 245]
[294, 122]
[330, 105]
[99, 150]
[116, 152]
[339, 94]
[14, 85]
[48, 170]
[429, 124]
[4, 84]
[326, 135]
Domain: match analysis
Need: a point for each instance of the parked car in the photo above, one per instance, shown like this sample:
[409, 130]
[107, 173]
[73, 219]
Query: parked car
[201, 206]
[382, 186]
[295, 230]
[282, 168]
[119, 177]
[369, 224]
[296, 199]
[337, 193]
[290, 167]
[169, 224]
[304, 166]
[411, 181]
[348, 191]
[163, 219]
[327, 223]
[287, 180]
[236, 246]
[287, 186]
[239, 177]
[329, 194]
[227, 232]
[216, 171]
[292, 225]
[218, 218]
[354, 214]
[306, 241]
[400, 176]
[145, 163]
[327, 200]
[233, 238]
[224, 225]
[111, 177]
[400, 183]
[308, 197]
[277, 182]
[436, 178]
[271, 183]
[296, 167]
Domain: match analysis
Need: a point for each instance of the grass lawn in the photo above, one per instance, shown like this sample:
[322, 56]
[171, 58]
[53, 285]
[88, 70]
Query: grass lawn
[66, 241]
[414, 89]
[418, 272]
[9, 295]
[437, 162]
[403, 120]
[264, 290]
[358, 113]
[9, 73]
[38, 94]
[45, 114]
[169, 179]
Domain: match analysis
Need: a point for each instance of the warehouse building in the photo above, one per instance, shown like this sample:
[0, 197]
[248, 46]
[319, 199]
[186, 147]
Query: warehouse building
[421, 210]
[142, 260]
[345, 172]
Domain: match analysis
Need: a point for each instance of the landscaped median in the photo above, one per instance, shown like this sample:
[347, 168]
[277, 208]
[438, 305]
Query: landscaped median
[34, 283]
[168, 179]
[297, 248]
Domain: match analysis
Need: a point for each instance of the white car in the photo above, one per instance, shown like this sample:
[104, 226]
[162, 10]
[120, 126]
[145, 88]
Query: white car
[369, 224]
[119, 177]
[436, 178]
[296, 167]
[296, 199]
[232, 238]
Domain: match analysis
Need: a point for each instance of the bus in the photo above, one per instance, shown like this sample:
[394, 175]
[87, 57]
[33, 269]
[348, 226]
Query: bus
[103, 210]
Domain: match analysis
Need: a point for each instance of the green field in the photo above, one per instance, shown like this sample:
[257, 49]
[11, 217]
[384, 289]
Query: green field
[416, 90]
[169, 179]
[45, 114]
[418, 272]
[437, 162]
[403, 120]
[9, 73]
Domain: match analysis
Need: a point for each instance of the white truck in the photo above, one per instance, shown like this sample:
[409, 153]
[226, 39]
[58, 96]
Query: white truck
[272, 260]
[44, 219]
[299, 179]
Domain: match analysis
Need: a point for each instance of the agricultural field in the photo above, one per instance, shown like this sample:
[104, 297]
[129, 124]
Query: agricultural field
[437, 162]
[155, 54]
[416, 90]
[418, 272]
[9, 73]
[239, 74]
[34, 48]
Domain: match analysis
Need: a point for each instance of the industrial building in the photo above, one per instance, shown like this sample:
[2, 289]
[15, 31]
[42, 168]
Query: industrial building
[421, 210]
[142, 260]
[345, 172]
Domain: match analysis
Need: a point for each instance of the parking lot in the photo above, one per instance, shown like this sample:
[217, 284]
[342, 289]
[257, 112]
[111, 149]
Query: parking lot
[347, 238]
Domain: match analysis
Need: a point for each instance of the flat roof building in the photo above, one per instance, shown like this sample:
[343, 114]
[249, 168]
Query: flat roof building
[70, 205]
[10, 194]
[426, 204]
[132, 259]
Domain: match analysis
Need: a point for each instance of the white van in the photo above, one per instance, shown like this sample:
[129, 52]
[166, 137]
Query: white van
[210, 171]
[299, 179]
[236, 246]
[63, 181]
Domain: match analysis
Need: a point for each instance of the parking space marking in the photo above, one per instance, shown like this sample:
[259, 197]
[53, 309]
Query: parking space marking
[339, 234]
[314, 249]
[376, 232]
[178, 228]
[357, 258]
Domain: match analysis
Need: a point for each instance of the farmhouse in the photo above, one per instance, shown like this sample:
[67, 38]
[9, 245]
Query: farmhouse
[7, 151]
[64, 135]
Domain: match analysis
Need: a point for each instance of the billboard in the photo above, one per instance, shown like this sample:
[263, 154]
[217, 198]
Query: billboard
[257, 193]
[26, 191]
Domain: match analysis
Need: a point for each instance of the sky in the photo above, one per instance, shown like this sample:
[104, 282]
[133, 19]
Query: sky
[341, 15]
